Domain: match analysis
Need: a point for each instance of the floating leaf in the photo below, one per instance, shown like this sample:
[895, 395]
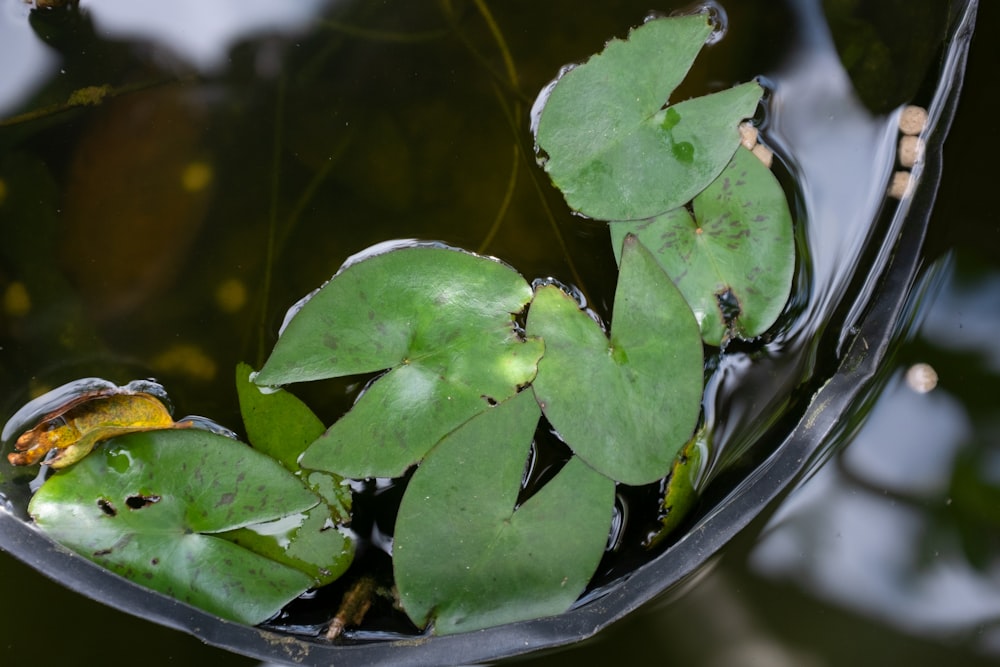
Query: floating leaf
[613, 149]
[310, 542]
[282, 426]
[149, 506]
[74, 429]
[441, 319]
[734, 260]
[626, 405]
[316, 542]
[466, 557]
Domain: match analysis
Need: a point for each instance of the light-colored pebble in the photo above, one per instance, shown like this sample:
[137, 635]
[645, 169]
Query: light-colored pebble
[912, 120]
[748, 135]
[899, 185]
[921, 378]
[764, 154]
[911, 150]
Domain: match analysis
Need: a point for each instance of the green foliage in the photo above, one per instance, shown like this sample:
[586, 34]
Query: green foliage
[462, 388]
[737, 248]
[466, 557]
[625, 405]
[153, 506]
[442, 320]
[613, 149]
[281, 426]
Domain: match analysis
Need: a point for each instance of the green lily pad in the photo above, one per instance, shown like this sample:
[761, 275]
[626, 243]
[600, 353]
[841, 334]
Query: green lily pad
[317, 541]
[626, 405]
[467, 557]
[150, 507]
[282, 426]
[734, 260]
[308, 541]
[610, 145]
[442, 320]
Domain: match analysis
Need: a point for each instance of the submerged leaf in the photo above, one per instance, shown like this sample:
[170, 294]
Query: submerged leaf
[613, 148]
[149, 506]
[467, 557]
[681, 492]
[442, 320]
[626, 405]
[734, 260]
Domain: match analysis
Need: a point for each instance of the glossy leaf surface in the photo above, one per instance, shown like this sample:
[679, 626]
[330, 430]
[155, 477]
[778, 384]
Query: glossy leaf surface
[281, 426]
[735, 258]
[149, 506]
[465, 557]
[443, 322]
[625, 405]
[610, 145]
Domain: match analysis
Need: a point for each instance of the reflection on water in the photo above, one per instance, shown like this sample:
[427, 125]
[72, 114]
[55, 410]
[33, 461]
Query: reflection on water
[885, 530]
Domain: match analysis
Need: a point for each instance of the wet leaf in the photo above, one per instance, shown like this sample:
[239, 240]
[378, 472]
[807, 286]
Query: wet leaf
[466, 557]
[282, 426]
[311, 542]
[613, 149]
[681, 493]
[626, 405]
[316, 542]
[442, 321]
[74, 429]
[150, 507]
[734, 260]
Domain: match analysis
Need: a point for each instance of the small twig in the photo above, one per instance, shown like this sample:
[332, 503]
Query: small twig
[88, 96]
[353, 607]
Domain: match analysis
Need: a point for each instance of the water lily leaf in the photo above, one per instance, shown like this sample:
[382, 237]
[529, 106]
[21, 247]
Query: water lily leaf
[442, 320]
[315, 541]
[610, 145]
[467, 557]
[734, 260]
[282, 426]
[277, 422]
[149, 506]
[309, 541]
[626, 405]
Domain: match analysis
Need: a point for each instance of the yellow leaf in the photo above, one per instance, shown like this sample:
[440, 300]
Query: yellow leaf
[75, 428]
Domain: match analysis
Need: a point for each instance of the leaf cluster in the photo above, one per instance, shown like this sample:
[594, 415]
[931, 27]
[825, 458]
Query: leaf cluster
[472, 362]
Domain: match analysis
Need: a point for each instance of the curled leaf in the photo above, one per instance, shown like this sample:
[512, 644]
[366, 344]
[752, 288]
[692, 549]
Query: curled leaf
[76, 427]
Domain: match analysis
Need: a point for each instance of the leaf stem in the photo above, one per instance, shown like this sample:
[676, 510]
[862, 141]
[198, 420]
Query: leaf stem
[272, 222]
[87, 96]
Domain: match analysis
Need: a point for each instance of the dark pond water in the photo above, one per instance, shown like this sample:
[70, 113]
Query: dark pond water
[148, 254]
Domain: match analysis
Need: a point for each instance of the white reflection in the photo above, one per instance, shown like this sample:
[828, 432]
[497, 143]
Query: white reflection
[869, 533]
[200, 32]
[841, 153]
[27, 62]
[912, 455]
[970, 319]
